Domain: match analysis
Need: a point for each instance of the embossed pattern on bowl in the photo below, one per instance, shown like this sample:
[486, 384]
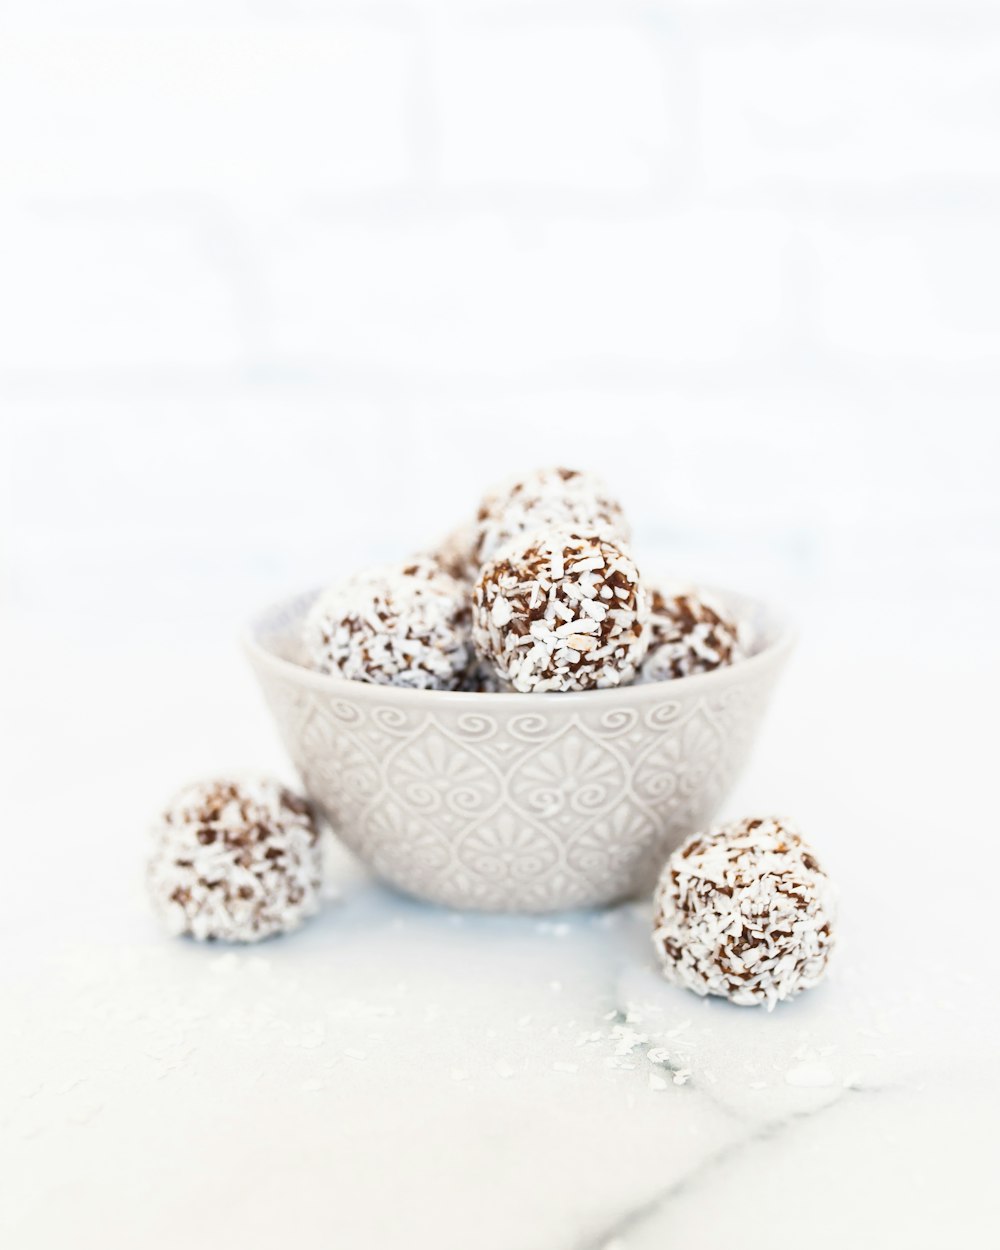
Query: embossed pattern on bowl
[513, 802]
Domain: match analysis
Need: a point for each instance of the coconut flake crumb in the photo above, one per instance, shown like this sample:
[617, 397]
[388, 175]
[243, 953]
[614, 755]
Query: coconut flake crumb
[810, 1075]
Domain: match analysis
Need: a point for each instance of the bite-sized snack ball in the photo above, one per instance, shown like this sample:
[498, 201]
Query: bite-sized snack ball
[455, 553]
[745, 912]
[405, 625]
[237, 860]
[688, 633]
[561, 611]
[547, 499]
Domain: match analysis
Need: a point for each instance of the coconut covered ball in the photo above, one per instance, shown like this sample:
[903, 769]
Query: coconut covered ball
[689, 633]
[235, 860]
[744, 912]
[561, 611]
[404, 625]
[547, 499]
[456, 553]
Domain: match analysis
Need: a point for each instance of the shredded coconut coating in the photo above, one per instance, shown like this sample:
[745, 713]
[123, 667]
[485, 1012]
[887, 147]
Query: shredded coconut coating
[456, 553]
[561, 611]
[689, 634]
[547, 499]
[406, 625]
[745, 912]
[235, 860]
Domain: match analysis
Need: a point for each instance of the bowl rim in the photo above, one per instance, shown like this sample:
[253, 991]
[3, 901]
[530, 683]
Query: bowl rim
[784, 636]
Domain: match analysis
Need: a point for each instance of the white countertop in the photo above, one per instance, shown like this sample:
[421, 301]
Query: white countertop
[399, 1076]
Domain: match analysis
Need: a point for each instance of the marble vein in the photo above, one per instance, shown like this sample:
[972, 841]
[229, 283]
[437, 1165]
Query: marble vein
[643, 1214]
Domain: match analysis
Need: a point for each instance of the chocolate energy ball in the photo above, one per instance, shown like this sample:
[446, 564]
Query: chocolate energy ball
[561, 611]
[406, 625]
[456, 553]
[547, 499]
[235, 860]
[688, 633]
[745, 912]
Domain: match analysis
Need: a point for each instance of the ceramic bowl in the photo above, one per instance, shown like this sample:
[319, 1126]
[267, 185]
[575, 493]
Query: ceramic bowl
[517, 802]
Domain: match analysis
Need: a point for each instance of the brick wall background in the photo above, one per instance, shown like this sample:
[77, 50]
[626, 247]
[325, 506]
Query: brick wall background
[277, 277]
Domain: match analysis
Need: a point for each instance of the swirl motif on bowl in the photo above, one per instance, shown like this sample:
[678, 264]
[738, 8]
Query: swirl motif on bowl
[570, 778]
[613, 843]
[403, 846]
[439, 776]
[504, 845]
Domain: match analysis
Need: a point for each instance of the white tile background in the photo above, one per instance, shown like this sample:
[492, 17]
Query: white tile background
[282, 281]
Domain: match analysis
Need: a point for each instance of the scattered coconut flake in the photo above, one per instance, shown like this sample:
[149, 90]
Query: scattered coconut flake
[814, 1075]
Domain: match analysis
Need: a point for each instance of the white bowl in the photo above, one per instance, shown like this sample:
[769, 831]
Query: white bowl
[517, 802]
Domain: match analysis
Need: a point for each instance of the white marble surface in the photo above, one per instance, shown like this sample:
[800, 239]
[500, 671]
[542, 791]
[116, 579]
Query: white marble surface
[399, 1076]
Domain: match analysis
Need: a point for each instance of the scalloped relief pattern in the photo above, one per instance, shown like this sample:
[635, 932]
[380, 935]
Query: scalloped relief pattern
[517, 811]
